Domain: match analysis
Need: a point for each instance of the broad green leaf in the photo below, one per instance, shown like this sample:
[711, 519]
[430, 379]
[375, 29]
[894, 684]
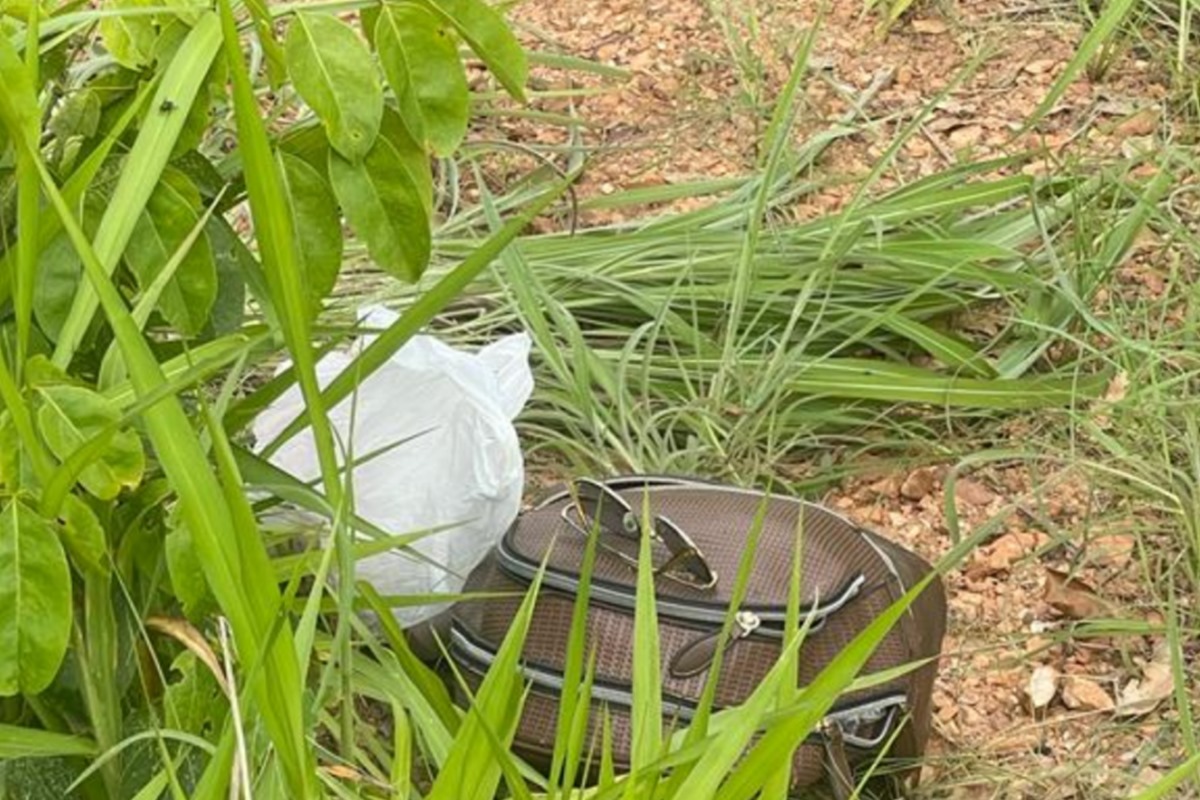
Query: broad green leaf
[71, 415]
[308, 140]
[422, 65]
[188, 11]
[195, 703]
[237, 271]
[382, 201]
[129, 37]
[41, 371]
[317, 225]
[17, 742]
[396, 137]
[35, 601]
[59, 274]
[84, 536]
[77, 115]
[16, 470]
[488, 35]
[368, 18]
[170, 216]
[333, 71]
[187, 575]
[229, 306]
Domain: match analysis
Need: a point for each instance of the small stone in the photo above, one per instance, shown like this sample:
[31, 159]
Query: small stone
[1113, 551]
[1143, 123]
[1035, 643]
[1040, 66]
[930, 27]
[1041, 688]
[973, 493]
[917, 485]
[1074, 598]
[1001, 554]
[966, 136]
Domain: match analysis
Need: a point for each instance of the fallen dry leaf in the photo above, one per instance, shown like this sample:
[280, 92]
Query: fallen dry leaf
[1041, 688]
[186, 634]
[1143, 696]
[1073, 597]
[1084, 694]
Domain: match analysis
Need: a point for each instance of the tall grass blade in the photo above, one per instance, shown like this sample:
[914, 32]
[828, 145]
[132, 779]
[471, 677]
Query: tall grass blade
[180, 83]
[574, 705]
[20, 742]
[646, 730]
[473, 768]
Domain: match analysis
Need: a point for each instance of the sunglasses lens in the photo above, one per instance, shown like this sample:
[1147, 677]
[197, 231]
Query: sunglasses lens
[688, 559]
[597, 505]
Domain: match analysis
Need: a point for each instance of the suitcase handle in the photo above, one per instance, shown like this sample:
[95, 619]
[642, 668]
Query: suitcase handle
[594, 505]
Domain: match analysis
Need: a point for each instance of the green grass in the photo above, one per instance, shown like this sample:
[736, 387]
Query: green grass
[644, 365]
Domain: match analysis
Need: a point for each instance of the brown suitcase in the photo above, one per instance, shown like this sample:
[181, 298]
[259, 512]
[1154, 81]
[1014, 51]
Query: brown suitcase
[849, 573]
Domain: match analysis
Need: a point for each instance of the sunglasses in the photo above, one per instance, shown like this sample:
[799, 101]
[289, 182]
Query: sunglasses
[594, 504]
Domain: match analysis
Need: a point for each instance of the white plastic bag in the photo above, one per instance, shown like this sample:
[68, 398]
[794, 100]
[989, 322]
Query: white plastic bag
[461, 465]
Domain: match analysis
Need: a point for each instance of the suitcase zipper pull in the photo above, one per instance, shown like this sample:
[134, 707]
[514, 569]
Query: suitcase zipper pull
[697, 656]
[747, 622]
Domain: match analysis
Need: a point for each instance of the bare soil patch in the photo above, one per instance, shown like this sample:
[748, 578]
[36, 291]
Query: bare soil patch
[701, 77]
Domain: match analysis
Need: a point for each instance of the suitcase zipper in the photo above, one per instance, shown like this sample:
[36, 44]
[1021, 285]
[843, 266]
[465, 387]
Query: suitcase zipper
[848, 720]
[770, 621]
